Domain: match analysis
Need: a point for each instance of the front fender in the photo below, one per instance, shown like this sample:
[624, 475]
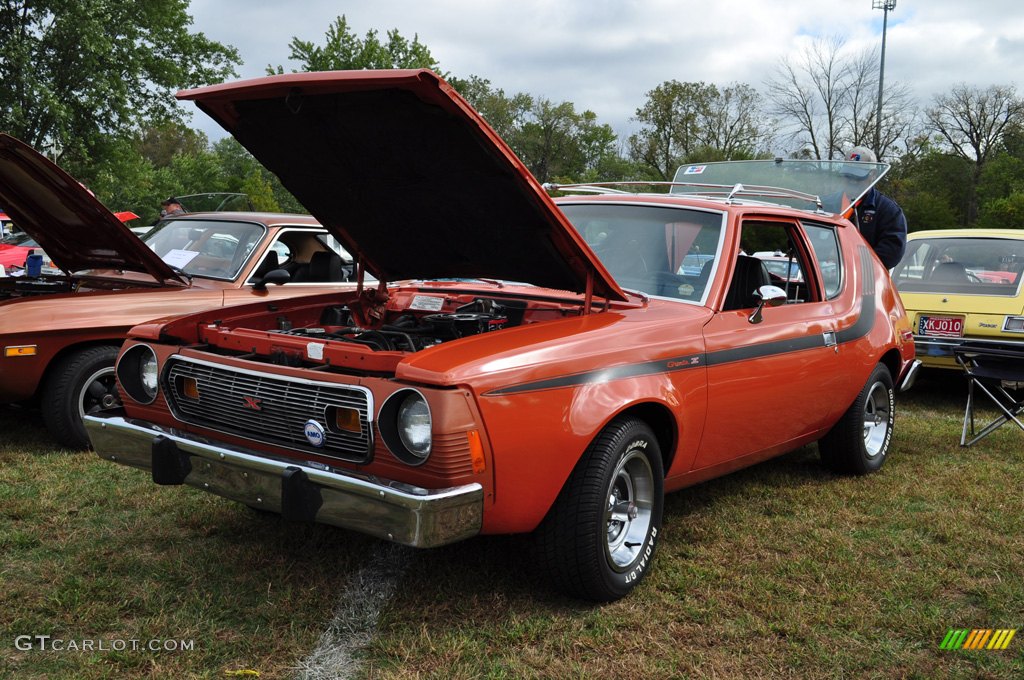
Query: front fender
[539, 433]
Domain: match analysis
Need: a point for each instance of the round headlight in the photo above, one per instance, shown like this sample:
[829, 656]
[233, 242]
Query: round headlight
[404, 424]
[148, 375]
[414, 425]
[139, 373]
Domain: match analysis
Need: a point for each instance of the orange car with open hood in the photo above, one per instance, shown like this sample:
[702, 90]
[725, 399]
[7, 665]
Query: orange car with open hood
[521, 364]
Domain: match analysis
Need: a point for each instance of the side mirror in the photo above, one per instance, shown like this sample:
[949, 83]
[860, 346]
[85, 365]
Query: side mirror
[767, 296]
[274, 276]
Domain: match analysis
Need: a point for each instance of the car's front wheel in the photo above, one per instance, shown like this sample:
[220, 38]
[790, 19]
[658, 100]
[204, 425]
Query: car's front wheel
[79, 383]
[599, 537]
[859, 442]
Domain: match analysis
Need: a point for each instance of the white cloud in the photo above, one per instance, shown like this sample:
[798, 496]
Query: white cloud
[604, 55]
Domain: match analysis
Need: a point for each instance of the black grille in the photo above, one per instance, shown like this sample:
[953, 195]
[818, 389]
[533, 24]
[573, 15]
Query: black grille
[268, 408]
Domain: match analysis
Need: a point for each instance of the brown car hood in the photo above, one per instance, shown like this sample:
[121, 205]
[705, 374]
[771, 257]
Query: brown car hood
[76, 231]
[407, 175]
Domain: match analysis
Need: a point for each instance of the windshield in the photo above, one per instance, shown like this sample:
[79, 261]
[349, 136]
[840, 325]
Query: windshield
[836, 183]
[963, 266]
[660, 251]
[205, 248]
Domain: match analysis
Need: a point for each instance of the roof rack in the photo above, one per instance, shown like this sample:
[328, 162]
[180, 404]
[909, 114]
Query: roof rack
[729, 192]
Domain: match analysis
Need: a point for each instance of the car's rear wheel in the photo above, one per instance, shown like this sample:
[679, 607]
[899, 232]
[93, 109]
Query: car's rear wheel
[859, 442]
[80, 383]
[597, 541]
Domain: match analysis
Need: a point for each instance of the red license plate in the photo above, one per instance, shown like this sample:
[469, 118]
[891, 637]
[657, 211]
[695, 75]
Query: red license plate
[941, 326]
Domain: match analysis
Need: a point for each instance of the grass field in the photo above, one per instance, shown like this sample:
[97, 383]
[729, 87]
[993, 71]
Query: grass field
[781, 570]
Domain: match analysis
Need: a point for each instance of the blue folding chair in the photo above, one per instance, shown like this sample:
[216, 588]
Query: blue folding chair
[996, 369]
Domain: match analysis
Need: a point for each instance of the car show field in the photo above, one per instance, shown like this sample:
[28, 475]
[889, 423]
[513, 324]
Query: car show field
[782, 569]
[499, 340]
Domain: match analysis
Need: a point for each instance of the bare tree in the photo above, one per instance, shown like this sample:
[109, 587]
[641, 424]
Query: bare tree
[899, 111]
[972, 121]
[862, 99]
[828, 100]
[810, 95]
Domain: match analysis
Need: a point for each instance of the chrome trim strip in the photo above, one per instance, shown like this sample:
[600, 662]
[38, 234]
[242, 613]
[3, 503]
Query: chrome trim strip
[910, 377]
[363, 454]
[950, 343]
[387, 509]
[370, 410]
[1006, 322]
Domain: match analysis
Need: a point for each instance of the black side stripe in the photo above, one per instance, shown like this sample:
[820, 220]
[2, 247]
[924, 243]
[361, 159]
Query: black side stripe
[865, 322]
[764, 349]
[605, 374]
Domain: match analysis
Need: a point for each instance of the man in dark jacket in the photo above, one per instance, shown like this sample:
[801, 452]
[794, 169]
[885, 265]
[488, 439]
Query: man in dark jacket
[879, 218]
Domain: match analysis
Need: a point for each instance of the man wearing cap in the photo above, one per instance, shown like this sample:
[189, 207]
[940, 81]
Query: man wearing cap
[171, 207]
[879, 218]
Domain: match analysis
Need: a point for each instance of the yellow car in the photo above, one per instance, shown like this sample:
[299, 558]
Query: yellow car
[962, 284]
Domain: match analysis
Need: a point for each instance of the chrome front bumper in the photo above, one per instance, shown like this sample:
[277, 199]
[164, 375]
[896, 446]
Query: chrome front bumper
[398, 512]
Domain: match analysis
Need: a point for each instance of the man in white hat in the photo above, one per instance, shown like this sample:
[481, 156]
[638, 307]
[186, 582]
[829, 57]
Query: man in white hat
[879, 218]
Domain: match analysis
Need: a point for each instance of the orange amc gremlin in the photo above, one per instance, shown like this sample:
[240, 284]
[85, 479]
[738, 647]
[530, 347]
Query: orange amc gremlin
[522, 363]
[60, 332]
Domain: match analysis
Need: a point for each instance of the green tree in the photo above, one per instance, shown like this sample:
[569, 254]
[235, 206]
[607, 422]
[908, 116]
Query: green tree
[248, 176]
[671, 119]
[343, 50]
[505, 114]
[735, 124]
[684, 122]
[73, 69]
[931, 187]
[159, 143]
[971, 121]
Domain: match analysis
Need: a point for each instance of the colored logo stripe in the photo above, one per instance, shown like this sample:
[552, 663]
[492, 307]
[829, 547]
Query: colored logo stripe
[978, 638]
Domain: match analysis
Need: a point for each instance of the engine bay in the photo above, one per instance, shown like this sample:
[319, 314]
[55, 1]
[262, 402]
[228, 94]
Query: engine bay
[408, 331]
[345, 337]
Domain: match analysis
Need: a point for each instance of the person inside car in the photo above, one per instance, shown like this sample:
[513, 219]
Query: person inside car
[171, 207]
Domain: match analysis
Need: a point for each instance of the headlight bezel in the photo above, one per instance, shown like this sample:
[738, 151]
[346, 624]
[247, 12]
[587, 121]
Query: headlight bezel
[407, 403]
[129, 371]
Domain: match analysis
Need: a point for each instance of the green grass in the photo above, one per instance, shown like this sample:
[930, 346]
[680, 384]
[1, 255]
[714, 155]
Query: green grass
[781, 570]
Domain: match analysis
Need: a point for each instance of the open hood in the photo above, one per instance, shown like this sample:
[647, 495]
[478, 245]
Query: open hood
[76, 231]
[407, 176]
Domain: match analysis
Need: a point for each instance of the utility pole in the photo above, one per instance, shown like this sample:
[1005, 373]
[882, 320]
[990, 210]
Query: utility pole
[886, 6]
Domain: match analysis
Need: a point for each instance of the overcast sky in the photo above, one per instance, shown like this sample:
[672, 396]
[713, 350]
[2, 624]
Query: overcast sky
[605, 56]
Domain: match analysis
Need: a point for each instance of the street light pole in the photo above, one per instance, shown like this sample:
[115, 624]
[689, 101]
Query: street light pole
[886, 6]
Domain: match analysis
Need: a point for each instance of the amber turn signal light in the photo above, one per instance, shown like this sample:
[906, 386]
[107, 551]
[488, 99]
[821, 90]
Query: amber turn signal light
[190, 388]
[347, 419]
[476, 451]
[20, 351]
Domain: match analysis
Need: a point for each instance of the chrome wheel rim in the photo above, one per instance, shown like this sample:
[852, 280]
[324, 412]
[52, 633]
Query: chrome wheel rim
[99, 393]
[629, 510]
[877, 412]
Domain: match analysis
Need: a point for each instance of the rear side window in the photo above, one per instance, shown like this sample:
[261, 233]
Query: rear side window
[825, 249]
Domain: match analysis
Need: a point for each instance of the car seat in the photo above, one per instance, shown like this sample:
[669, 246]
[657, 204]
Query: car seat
[750, 274]
[324, 266]
[950, 272]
